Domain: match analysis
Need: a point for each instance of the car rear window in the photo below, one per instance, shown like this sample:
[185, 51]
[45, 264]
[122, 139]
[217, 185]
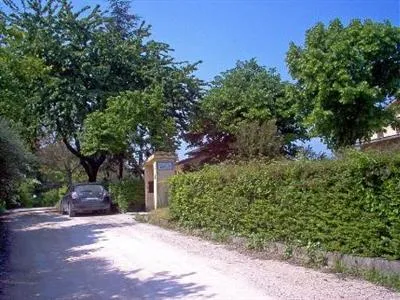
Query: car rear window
[89, 189]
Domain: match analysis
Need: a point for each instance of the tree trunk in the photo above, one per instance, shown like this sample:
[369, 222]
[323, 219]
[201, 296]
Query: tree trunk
[91, 167]
[120, 166]
[91, 164]
[68, 174]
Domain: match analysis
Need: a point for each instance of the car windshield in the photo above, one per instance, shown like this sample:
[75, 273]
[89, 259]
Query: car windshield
[90, 189]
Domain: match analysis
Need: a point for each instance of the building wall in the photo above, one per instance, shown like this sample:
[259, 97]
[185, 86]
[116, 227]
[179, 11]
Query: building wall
[162, 185]
[386, 132]
[392, 144]
[149, 179]
[386, 139]
[158, 168]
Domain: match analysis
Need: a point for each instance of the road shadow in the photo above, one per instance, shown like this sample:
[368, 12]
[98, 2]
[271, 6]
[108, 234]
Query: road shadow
[50, 260]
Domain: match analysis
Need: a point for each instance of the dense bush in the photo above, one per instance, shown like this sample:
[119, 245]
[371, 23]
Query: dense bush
[15, 161]
[128, 194]
[31, 193]
[53, 196]
[26, 193]
[350, 205]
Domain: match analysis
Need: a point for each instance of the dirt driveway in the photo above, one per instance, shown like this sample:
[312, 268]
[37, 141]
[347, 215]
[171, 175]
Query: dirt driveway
[112, 257]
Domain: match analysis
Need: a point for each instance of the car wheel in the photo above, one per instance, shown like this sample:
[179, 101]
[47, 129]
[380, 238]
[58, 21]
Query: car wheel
[71, 212]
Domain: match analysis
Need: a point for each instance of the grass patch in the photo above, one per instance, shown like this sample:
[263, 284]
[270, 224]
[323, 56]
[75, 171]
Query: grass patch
[159, 217]
[389, 280]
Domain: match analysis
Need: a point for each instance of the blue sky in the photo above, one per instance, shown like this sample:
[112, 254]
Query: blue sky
[220, 32]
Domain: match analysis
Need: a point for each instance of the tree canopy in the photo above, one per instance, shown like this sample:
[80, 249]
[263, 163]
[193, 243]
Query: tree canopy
[97, 81]
[346, 78]
[91, 57]
[21, 78]
[58, 165]
[245, 94]
[135, 121]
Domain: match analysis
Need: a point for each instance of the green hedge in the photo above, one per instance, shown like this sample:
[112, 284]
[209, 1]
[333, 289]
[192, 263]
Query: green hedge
[350, 205]
[128, 194]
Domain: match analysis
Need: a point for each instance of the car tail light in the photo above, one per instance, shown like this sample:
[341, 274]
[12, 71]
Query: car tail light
[74, 195]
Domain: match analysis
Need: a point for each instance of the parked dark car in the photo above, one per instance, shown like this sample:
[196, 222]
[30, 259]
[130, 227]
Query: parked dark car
[85, 197]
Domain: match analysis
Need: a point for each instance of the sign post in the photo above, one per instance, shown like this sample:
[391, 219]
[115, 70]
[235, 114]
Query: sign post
[158, 168]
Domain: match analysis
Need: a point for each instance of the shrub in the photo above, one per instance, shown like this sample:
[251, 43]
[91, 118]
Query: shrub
[15, 162]
[53, 196]
[27, 196]
[258, 140]
[350, 205]
[128, 194]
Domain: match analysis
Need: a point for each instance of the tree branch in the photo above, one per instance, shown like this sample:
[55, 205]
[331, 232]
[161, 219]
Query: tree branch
[72, 149]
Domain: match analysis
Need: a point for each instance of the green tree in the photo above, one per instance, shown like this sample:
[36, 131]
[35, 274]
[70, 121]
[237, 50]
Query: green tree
[58, 165]
[15, 161]
[346, 77]
[21, 78]
[246, 94]
[121, 18]
[90, 61]
[255, 140]
[134, 122]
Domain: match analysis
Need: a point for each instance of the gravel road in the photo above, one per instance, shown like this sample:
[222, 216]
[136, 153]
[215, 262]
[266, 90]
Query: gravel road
[113, 257]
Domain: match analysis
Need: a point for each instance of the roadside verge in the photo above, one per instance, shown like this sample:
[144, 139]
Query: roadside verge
[376, 270]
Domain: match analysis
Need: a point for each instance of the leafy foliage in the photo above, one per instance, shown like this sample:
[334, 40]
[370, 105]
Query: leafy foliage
[138, 118]
[21, 78]
[254, 140]
[15, 162]
[121, 18]
[91, 57]
[27, 193]
[346, 77]
[53, 196]
[349, 205]
[248, 93]
[128, 194]
[58, 165]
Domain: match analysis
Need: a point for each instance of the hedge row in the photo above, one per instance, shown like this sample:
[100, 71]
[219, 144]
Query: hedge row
[350, 205]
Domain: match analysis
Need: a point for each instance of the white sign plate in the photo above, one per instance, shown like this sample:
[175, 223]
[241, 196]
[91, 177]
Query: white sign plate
[165, 165]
